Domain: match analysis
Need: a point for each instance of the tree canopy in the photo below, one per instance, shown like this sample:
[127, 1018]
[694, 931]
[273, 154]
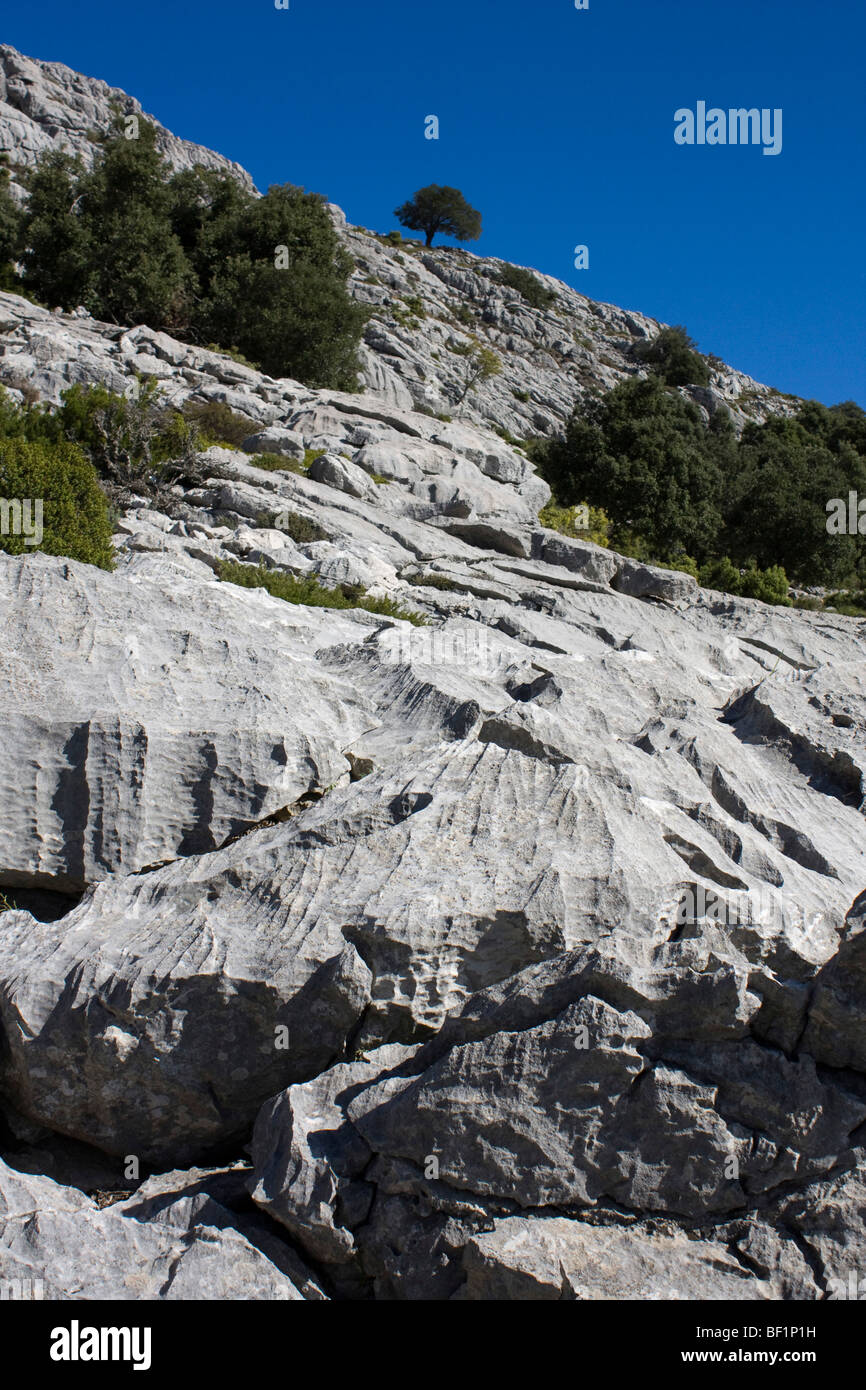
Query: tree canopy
[439, 208]
[685, 488]
[195, 254]
[675, 358]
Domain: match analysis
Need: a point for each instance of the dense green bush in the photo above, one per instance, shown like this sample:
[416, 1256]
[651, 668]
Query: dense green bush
[568, 521]
[642, 453]
[195, 254]
[674, 357]
[528, 286]
[683, 493]
[75, 518]
[787, 470]
[11, 223]
[769, 585]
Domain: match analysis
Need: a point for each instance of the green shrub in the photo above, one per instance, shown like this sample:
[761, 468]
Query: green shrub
[300, 529]
[280, 463]
[770, 585]
[196, 254]
[645, 456]
[234, 355]
[685, 564]
[722, 575]
[310, 592]
[415, 304]
[276, 463]
[568, 521]
[217, 423]
[851, 604]
[138, 447]
[786, 471]
[482, 364]
[11, 225]
[528, 286]
[674, 357]
[75, 518]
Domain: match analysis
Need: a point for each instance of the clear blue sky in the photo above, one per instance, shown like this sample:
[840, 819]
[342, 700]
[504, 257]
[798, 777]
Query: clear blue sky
[558, 125]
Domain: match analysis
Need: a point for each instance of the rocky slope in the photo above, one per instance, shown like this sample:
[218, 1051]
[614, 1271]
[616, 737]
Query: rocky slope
[519, 955]
[50, 106]
[426, 304]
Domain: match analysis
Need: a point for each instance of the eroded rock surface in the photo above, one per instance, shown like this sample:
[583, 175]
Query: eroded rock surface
[521, 950]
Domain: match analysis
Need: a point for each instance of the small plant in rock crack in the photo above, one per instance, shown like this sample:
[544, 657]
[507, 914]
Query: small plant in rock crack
[300, 529]
[482, 364]
[312, 594]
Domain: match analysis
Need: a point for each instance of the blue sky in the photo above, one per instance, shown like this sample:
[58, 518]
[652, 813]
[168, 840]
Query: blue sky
[558, 125]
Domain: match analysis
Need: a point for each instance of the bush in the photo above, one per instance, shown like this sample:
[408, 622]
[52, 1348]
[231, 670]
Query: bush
[194, 253]
[310, 592]
[853, 605]
[642, 454]
[528, 286]
[685, 564]
[138, 447]
[482, 364]
[435, 581]
[674, 357]
[568, 521]
[11, 221]
[273, 275]
[75, 517]
[415, 304]
[786, 471]
[770, 585]
[300, 529]
[217, 423]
